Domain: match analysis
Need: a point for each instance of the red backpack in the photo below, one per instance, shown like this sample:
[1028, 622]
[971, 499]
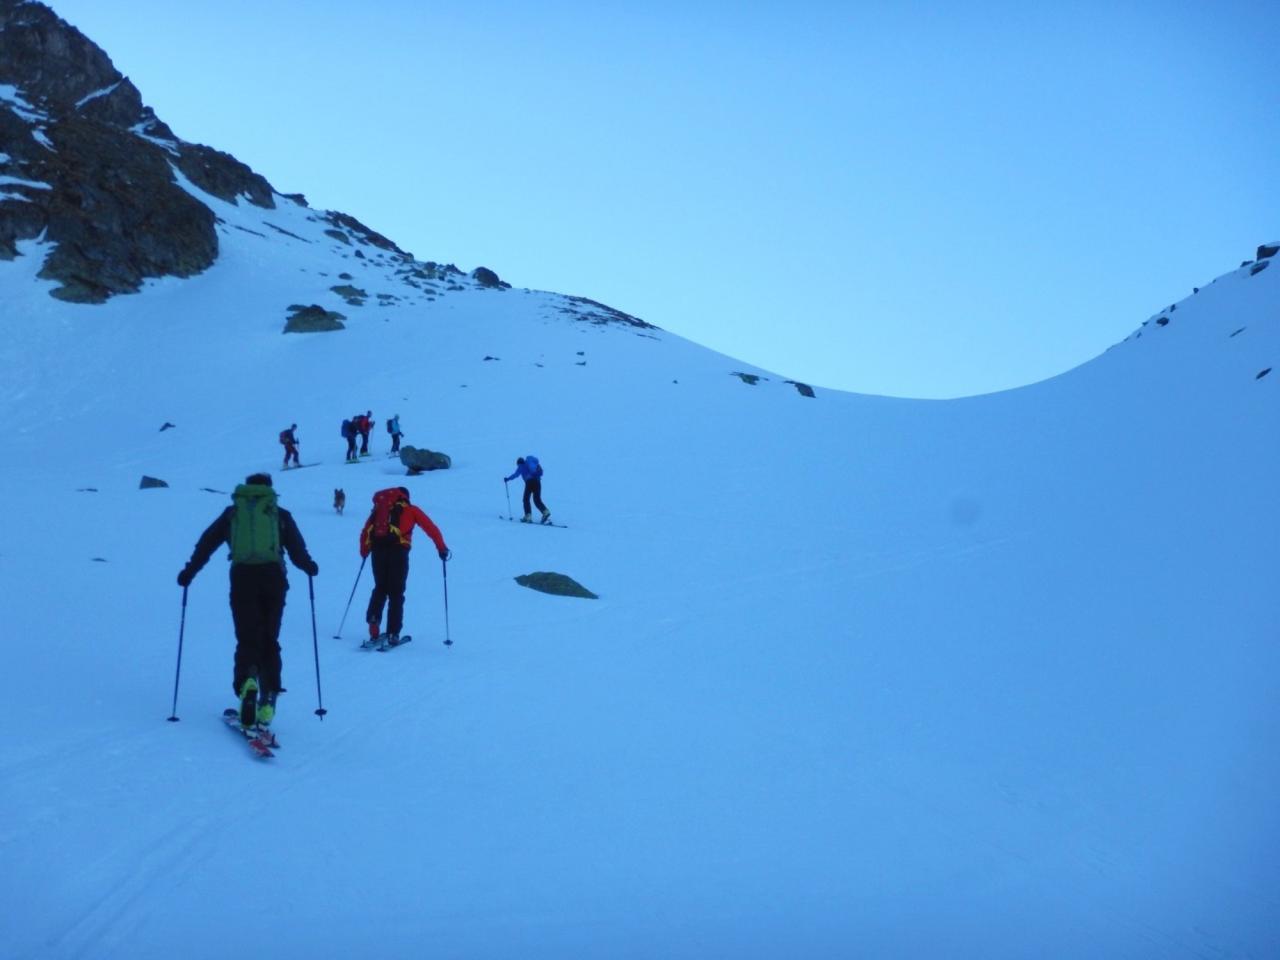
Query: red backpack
[387, 506]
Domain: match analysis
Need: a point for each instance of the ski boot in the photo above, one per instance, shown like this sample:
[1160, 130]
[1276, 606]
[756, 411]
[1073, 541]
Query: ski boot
[546, 516]
[527, 518]
[266, 710]
[248, 703]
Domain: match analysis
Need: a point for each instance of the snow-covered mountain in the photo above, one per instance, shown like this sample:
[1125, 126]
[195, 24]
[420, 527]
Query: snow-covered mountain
[993, 677]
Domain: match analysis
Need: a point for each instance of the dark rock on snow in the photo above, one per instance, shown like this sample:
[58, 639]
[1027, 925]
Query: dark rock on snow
[113, 213]
[1267, 250]
[313, 319]
[354, 296]
[487, 278]
[419, 460]
[151, 483]
[555, 583]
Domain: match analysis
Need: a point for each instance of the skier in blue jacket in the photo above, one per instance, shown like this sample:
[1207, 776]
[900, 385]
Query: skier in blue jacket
[530, 471]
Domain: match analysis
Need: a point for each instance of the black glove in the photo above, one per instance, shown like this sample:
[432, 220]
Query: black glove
[445, 554]
[186, 576]
[311, 568]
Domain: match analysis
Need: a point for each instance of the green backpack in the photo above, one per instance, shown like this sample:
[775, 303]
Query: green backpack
[255, 525]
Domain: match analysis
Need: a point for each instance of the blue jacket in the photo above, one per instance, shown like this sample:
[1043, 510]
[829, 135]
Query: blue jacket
[524, 471]
[394, 424]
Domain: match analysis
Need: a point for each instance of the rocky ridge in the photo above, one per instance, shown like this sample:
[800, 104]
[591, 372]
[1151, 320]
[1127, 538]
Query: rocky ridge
[89, 169]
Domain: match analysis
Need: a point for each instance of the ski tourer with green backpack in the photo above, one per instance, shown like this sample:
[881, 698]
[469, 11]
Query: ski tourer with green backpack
[259, 533]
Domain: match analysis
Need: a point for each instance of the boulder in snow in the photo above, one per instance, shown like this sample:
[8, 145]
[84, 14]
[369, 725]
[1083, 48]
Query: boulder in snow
[419, 460]
[555, 583]
[487, 278]
[313, 319]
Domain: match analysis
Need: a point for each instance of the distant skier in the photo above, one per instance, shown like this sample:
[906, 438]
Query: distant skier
[349, 434]
[393, 428]
[388, 536]
[259, 533]
[531, 471]
[364, 425]
[290, 441]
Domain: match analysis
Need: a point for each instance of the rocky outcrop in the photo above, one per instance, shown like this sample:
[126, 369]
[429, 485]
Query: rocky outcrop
[1268, 250]
[347, 224]
[151, 483]
[418, 460]
[487, 278]
[558, 584]
[313, 319]
[591, 311]
[94, 167]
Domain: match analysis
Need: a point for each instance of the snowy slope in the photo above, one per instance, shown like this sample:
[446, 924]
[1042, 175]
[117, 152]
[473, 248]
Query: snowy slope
[990, 678]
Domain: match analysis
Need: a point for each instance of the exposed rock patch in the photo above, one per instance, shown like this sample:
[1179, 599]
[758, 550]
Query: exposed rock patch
[558, 584]
[487, 278]
[802, 388]
[418, 460]
[313, 319]
[354, 296]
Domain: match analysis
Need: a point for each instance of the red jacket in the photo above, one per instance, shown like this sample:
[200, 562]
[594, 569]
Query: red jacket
[409, 516]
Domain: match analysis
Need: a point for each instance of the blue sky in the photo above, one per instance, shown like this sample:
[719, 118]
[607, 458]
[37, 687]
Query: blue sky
[905, 198]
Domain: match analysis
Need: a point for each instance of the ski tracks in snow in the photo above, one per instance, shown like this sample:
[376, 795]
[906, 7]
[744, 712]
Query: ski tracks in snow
[116, 895]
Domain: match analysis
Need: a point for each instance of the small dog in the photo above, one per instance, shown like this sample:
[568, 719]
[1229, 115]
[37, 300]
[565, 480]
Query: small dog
[339, 500]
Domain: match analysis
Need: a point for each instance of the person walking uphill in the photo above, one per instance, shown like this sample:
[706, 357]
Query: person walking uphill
[364, 425]
[531, 471]
[290, 441]
[393, 428]
[349, 435]
[259, 532]
[388, 537]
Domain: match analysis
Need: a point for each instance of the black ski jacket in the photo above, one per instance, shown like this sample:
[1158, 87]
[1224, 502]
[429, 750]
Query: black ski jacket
[219, 533]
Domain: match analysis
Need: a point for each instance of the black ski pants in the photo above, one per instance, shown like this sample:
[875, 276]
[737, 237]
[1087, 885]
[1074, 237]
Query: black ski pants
[351, 447]
[257, 606]
[390, 577]
[533, 489]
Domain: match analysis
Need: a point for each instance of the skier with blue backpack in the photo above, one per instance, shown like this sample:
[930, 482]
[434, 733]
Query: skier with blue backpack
[530, 470]
[259, 534]
[349, 435]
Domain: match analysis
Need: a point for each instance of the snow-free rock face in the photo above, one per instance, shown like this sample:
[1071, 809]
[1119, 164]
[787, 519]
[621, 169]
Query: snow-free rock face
[86, 165]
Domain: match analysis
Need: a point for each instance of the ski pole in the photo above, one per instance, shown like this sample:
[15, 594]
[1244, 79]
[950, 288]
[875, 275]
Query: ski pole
[444, 570]
[182, 627]
[315, 643]
[506, 486]
[338, 635]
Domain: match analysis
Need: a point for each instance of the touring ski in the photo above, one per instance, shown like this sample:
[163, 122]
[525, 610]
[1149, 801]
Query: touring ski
[536, 523]
[259, 741]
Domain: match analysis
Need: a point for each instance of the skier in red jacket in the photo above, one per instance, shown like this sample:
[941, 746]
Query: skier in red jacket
[388, 536]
